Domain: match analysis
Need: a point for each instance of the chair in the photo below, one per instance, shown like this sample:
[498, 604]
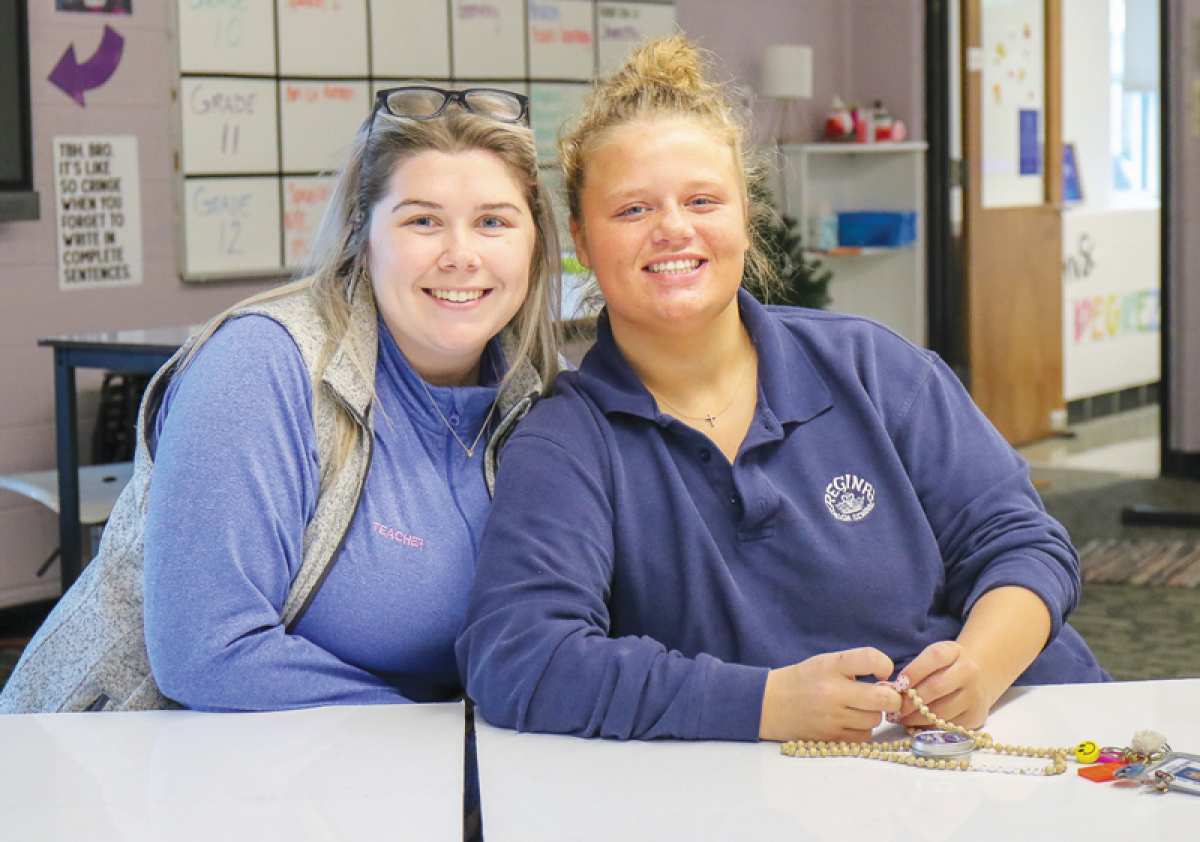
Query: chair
[99, 488]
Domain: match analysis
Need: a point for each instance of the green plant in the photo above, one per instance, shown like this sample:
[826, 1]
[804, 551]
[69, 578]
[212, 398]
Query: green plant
[800, 280]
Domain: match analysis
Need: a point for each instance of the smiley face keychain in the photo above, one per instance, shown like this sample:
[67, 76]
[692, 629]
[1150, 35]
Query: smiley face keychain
[1087, 752]
[1095, 764]
[1147, 749]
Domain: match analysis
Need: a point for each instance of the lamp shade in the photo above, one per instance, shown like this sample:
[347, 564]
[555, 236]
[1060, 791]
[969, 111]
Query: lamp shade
[787, 72]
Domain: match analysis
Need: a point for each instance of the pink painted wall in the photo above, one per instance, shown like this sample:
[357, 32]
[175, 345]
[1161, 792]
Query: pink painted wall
[862, 50]
[887, 46]
[136, 101]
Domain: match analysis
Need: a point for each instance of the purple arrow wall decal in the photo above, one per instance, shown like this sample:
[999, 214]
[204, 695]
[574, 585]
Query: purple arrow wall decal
[74, 78]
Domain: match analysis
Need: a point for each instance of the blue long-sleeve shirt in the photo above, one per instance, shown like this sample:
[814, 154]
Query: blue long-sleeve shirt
[235, 481]
[632, 583]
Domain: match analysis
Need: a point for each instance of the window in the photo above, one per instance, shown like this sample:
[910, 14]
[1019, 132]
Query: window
[1134, 139]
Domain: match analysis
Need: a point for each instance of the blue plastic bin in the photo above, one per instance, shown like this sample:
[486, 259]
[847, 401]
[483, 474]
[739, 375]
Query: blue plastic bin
[877, 228]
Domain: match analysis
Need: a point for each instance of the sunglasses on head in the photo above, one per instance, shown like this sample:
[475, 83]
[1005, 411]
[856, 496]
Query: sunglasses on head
[419, 102]
[422, 102]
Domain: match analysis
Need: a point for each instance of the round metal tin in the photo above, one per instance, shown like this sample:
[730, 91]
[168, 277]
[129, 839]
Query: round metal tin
[941, 744]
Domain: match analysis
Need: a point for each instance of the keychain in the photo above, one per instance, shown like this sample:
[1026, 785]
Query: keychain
[1148, 761]
[1180, 772]
[1113, 763]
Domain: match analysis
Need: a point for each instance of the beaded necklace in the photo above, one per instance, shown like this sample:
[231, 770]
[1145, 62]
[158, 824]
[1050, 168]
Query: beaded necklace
[927, 755]
[949, 747]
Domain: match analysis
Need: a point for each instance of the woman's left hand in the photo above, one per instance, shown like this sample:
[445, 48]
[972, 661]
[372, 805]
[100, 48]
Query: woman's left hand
[951, 683]
[961, 679]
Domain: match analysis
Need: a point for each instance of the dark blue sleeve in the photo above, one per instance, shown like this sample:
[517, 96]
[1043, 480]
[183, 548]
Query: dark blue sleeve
[235, 481]
[535, 651]
[990, 523]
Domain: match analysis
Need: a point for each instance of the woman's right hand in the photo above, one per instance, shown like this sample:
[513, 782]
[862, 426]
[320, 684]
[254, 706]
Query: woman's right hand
[822, 699]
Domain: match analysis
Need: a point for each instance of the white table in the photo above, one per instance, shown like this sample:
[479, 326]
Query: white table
[354, 773]
[99, 488]
[543, 787]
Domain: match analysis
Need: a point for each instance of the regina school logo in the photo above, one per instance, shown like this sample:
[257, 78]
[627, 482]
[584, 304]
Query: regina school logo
[849, 498]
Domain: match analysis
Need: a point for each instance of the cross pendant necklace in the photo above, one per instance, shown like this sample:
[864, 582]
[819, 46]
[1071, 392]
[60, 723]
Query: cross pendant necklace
[711, 417]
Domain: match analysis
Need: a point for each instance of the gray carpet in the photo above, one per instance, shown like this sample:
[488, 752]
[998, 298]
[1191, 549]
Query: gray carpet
[1141, 561]
[1137, 630]
[1141, 632]
[1089, 503]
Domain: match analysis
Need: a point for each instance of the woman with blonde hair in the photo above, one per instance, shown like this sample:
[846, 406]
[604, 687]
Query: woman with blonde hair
[737, 521]
[314, 469]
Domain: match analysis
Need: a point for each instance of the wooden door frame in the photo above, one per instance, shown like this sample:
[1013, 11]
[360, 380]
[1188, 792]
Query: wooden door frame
[1004, 388]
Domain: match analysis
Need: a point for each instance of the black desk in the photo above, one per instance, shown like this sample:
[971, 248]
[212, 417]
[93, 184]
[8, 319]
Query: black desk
[134, 351]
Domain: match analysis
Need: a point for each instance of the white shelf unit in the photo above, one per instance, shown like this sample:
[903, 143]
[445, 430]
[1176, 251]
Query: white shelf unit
[884, 284]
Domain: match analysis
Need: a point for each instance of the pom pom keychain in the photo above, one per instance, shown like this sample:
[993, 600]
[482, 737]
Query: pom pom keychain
[1148, 744]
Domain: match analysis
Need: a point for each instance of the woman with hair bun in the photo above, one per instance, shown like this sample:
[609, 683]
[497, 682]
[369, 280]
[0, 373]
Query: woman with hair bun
[737, 521]
[314, 469]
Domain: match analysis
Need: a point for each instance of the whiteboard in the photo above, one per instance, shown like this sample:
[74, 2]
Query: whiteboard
[1111, 310]
[562, 39]
[410, 39]
[304, 201]
[620, 27]
[318, 120]
[319, 38]
[489, 39]
[226, 37]
[229, 125]
[270, 95]
[550, 105]
[1014, 107]
[232, 226]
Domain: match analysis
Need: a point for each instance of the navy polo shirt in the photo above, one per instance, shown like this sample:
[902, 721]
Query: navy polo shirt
[633, 583]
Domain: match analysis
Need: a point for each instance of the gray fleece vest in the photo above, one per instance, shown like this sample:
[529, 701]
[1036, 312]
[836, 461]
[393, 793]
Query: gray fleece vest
[90, 654]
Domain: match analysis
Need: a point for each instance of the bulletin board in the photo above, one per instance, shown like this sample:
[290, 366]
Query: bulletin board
[1014, 103]
[271, 93]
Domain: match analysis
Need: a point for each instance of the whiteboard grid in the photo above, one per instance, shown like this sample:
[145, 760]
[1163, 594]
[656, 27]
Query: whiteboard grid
[229, 92]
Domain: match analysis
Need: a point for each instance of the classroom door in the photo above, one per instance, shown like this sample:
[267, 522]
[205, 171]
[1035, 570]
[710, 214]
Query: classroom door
[1012, 230]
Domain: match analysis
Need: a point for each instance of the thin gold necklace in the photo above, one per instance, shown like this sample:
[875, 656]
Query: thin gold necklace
[470, 451]
[711, 417]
